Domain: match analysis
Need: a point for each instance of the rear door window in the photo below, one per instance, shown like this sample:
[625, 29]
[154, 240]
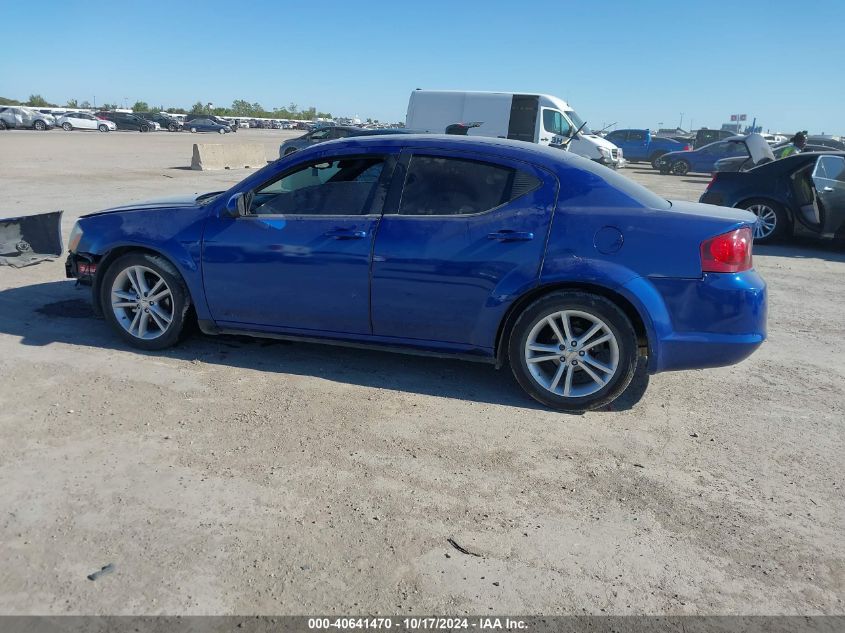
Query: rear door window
[437, 185]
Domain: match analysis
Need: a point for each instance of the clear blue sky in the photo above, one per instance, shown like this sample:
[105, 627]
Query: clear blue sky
[634, 62]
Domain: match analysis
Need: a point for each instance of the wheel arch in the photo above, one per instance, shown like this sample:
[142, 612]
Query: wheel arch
[512, 314]
[107, 259]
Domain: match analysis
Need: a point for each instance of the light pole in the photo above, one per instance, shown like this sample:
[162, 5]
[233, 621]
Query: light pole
[681, 123]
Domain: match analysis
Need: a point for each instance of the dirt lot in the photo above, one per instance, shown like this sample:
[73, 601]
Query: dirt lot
[236, 476]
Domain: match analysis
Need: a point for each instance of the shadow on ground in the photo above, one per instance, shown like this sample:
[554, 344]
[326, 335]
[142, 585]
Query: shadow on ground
[60, 312]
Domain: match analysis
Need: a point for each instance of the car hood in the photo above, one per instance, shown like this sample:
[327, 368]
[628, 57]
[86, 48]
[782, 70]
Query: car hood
[599, 141]
[172, 202]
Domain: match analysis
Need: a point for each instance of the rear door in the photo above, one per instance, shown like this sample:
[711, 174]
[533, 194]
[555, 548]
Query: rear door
[829, 182]
[461, 236]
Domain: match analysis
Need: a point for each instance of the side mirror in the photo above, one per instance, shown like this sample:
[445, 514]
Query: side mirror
[236, 206]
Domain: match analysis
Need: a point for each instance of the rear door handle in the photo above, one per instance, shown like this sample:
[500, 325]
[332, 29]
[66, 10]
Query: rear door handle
[511, 236]
[346, 234]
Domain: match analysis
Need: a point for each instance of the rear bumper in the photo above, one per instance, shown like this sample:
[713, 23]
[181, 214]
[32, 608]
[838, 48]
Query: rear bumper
[714, 321]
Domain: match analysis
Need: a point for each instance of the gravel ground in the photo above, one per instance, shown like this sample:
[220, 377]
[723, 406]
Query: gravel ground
[237, 476]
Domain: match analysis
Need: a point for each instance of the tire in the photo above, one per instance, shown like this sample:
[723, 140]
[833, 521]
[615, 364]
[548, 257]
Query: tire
[773, 222]
[222, 130]
[152, 331]
[655, 158]
[67, 127]
[2, 124]
[103, 128]
[680, 168]
[549, 380]
[173, 127]
[39, 125]
[144, 128]
[193, 130]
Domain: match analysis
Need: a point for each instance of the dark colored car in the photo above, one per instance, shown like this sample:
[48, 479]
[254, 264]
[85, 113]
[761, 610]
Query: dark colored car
[126, 121]
[332, 133]
[207, 125]
[803, 191]
[488, 249]
[211, 117]
[644, 146]
[824, 141]
[166, 122]
[744, 163]
[705, 136]
[702, 160]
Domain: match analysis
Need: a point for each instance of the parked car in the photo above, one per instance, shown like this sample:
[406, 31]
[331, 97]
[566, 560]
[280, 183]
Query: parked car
[803, 191]
[84, 121]
[744, 163]
[322, 134]
[643, 146]
[702, 160]
[207, 125]
[706, 136]
[826, 141]
[164, 121]
[27, 118]
[126, 121]
[480, 253]
[210, 117]
[243, 123]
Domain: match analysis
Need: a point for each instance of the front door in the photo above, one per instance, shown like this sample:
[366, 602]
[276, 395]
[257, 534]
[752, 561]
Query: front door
[463, 234]
[300, 259]
[829, 183]
[554, 128]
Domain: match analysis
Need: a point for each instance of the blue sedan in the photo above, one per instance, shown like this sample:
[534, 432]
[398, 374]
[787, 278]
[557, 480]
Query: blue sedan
[703, 159]
[484, 249]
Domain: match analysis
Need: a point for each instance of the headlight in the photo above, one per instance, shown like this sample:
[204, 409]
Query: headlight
[75, 237]
[605, 153]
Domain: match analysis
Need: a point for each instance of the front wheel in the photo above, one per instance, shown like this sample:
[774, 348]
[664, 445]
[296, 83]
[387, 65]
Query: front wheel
[680, 168]
[222, 130]
[144, 128]
[145, 300]
[40, 125]
[67, 127]
[103, 128]
[573, 351]
[193, 130]
[655, 160]
[772, 221]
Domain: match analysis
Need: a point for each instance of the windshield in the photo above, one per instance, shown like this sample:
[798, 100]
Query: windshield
[577, 122]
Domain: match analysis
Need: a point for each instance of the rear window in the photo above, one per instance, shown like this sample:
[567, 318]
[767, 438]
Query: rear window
[437, 185]
[618, 191]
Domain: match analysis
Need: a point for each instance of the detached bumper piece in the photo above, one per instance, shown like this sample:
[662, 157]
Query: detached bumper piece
[30, 239]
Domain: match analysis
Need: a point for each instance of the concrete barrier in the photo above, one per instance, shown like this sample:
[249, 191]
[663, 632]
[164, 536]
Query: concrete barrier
[228, 156]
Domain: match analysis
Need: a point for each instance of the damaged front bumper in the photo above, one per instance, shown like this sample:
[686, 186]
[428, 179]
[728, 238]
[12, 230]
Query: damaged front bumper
[81, 267]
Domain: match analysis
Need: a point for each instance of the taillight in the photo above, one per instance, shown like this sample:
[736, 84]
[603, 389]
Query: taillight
[712, 180]
[727, 253]
[687, 148]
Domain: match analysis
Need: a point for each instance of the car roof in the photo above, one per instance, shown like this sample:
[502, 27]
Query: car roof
[520, 150]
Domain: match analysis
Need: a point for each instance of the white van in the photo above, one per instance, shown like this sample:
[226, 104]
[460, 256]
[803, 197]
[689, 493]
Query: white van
[535, 118]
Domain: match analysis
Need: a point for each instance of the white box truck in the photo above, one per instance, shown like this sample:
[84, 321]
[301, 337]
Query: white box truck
[536, 118]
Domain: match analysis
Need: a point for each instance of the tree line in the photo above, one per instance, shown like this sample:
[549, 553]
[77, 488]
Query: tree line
[239, 107]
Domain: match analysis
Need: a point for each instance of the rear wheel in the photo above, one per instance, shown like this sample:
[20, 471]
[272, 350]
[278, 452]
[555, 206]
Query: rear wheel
[573, 351]
[67, 127]
[193, 130]
[772, 221]
[39, 125]
[680, 168]
[145, 300]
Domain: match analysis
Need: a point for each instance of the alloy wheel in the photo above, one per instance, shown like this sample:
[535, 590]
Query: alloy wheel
[571, 353]
[142, 302]
[767, 220]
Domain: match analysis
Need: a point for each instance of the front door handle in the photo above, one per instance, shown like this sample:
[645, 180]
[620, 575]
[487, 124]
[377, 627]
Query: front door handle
[346, 234]
[511, 236]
